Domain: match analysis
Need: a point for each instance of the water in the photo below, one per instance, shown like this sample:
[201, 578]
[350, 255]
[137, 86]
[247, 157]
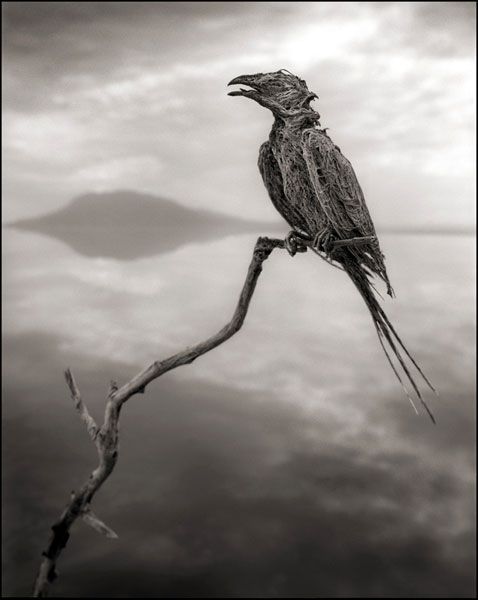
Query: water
[287, 462]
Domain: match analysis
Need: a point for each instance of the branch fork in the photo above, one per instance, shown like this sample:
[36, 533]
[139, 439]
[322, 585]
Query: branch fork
[106, 437]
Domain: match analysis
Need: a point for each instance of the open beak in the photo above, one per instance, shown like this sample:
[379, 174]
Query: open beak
[309, 98]
[249, 80]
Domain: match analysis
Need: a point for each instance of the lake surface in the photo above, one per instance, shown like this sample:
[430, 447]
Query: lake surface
[287, 462]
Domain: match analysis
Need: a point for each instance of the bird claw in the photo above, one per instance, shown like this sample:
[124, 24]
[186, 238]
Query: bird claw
[293, 244]
[290, 243]
[324, 241]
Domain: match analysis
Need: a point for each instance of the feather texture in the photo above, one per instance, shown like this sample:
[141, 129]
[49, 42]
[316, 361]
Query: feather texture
[314, 187]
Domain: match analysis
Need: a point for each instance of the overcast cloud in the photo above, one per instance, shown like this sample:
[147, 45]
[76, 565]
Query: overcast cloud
[133, 95]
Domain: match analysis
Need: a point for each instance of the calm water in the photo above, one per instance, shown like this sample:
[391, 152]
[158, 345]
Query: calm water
[285, 463]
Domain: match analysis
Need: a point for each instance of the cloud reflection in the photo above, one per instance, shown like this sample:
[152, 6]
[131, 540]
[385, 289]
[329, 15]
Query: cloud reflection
[235, 493]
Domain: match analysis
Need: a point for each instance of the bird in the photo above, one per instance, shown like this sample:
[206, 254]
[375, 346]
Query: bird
[315, 189]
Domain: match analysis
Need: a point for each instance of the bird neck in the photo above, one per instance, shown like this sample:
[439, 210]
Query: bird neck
[292, 125]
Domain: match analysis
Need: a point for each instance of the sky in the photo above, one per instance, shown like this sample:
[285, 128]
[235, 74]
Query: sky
[105, 96]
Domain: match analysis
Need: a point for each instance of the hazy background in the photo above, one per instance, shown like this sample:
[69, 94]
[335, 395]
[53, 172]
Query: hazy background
[287, 462]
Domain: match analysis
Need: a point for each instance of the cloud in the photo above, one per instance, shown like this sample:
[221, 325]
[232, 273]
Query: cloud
[136, 172]
[395, 84]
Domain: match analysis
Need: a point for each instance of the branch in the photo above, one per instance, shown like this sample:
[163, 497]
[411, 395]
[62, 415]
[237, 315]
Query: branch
[263, 248]
[106, 438]
[356, 241]
[92, 520]
[91, 426]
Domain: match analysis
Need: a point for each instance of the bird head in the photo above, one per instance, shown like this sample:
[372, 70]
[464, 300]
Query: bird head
[285, 94]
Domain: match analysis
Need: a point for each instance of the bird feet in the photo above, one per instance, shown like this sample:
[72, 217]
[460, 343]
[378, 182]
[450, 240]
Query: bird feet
[293, 243]
[324, 241]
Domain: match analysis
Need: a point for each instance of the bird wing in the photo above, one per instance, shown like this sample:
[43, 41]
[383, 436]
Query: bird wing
[272, 177]
[336, 185]
[341, 198]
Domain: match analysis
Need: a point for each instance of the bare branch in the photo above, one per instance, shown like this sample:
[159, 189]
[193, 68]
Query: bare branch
[106, 438]
[92, 520]
[356, 241]
[264, 246]
[113, 387]
[80, 406]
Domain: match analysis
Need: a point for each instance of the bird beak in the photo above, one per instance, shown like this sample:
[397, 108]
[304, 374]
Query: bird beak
[249, 80]
[309, 98]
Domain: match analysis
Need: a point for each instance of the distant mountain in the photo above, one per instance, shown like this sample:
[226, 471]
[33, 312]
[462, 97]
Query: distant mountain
[128, 225]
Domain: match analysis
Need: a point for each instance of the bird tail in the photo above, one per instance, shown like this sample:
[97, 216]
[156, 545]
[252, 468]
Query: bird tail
[388, 337]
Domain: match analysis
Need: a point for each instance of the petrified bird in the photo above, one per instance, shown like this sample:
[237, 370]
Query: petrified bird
[315, 189]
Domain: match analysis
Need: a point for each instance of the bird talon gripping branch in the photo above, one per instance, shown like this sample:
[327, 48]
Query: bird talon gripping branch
[314, 187]
[290, 243]
[324, 241]
[294, 243]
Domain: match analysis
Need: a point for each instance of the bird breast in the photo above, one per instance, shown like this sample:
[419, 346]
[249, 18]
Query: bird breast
[298, 188]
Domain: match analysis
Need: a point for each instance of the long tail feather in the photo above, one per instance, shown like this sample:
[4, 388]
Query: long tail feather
[386, 333]
[397, 337]
[379, 333]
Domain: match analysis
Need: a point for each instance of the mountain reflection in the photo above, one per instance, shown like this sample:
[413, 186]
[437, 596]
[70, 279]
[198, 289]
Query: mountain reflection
[127, 225]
